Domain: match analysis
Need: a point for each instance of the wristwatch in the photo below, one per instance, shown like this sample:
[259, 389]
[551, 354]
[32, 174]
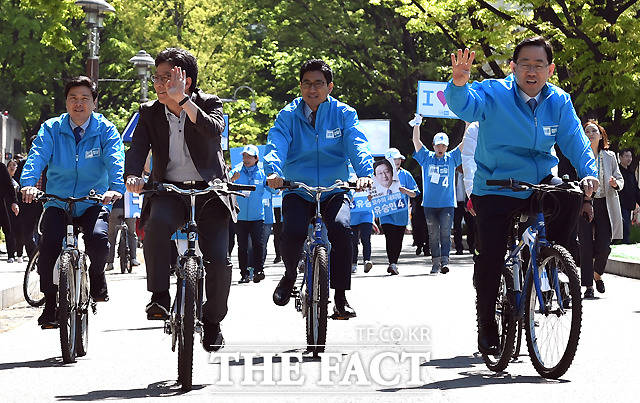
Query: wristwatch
[184, 101]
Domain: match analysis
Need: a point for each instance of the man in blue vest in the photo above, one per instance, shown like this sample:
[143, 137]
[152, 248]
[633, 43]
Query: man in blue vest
[312, 141]
[82, 151]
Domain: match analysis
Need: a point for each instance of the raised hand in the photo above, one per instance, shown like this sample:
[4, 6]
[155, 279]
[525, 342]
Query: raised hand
[461, 66]
[177, 84]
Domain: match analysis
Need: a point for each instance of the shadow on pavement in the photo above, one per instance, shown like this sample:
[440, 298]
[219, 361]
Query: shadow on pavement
[137, 328]
[461, 361]
[157, 389]
[46, 363]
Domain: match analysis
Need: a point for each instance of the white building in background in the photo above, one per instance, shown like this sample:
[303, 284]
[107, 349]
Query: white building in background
[11, 140]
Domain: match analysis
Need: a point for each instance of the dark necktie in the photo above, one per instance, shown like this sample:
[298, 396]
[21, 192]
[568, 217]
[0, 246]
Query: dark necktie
[389, 192]
[532, 104]
[76, 133]
[313, 118]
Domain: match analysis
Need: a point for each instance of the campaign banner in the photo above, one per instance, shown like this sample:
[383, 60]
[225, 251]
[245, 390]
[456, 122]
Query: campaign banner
[132, 205]
[381, 205]
[431, 100]
[224, 142]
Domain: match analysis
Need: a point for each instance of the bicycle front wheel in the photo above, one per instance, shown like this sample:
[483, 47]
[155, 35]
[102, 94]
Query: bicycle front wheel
[318, 300]
[553, 331]
[82, 312]
[507, 325]
[185, 341]
[123, 253]
[31, 283]
[67, 309]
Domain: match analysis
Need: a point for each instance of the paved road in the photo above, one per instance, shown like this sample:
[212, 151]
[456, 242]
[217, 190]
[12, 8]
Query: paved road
[130, 357]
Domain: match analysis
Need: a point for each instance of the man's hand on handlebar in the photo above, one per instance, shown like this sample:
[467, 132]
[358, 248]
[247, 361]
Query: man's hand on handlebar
[274, 181]
[110, 196]
[363, 183]
[134, 184]
[590, 185]
[29, 193]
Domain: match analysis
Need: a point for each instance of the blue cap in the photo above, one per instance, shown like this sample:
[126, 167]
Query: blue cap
[251, 150]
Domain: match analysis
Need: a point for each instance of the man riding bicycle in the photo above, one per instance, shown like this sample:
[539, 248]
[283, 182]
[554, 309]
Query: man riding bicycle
[520, 118]
[312, 141]
[183, 128]
[83, 151]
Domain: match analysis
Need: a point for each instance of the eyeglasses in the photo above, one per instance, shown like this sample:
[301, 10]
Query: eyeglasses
[160, 79]
[532, 67]
[316, 84]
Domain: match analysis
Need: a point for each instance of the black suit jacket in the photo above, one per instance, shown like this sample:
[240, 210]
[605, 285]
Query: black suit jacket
[203, 140]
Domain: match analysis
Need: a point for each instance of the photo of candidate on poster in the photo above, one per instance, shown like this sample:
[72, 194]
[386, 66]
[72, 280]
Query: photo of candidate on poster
[385, 178]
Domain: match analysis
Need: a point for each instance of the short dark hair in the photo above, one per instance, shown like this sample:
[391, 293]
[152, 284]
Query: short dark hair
[81, 81]
[383, 161]
[183, 59]
[317, 65]
[534, 41]
[624, 150]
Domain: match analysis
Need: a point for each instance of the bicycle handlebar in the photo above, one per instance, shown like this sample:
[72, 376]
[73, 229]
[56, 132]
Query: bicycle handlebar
[291, 185]
[216, 186]
[92, 196]
[520, 186]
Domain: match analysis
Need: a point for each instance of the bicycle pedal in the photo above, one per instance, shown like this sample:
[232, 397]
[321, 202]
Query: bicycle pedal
[94, 307]
[167, 327]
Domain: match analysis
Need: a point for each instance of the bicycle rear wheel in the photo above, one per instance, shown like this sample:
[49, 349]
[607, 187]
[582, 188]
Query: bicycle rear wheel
[31, 283]
[67, 309]
[123, 252]
[318, 300]
[552, 338]
[507, 326]
[185, 342]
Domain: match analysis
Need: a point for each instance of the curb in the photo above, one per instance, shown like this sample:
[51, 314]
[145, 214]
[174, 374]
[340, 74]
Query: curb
[11, 296]
[625, 268]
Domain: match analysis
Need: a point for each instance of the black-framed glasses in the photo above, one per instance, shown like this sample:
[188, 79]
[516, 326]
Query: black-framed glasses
[160, 79]
[315, 84]
[532, 67]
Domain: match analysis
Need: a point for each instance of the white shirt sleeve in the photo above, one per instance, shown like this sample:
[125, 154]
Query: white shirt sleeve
[468, 153]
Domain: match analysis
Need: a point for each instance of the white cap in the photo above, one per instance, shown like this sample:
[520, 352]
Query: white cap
[251, 150]
[393, 153]
[441, 138]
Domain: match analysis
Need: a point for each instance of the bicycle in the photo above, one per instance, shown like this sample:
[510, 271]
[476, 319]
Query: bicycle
[124, 253]
[546, 295]
[71, 276]
[186, 312]
[311, 293]
[31, 282]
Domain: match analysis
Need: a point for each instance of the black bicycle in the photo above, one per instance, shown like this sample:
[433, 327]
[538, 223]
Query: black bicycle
[70, 273]
[125, 255]
[186, 313]
[31, 282]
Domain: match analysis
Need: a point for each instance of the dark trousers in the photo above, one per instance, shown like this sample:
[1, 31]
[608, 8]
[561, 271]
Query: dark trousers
[626, 225]
[458, 214]
[471, 230]
[28, 221]
[336, 213]
[361, 231]
[493, 221]
[253, 230]
[277, 229]
[168, 213]
[393, 235]
[595, 237]
[232, 236]
[95, 224]
[115, 218]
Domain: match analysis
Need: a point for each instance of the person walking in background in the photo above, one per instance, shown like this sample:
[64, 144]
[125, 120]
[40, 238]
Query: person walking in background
[277, 229]
[251, 215]
[419, 225]
[115, 218]
[15, 235]
[395, 224]
[438, 169]
[362, 228]
[629, 194]
[596, 231]
[267, 205]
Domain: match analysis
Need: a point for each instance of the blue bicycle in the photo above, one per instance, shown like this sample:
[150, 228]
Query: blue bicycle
[545, 298]
[311, 293]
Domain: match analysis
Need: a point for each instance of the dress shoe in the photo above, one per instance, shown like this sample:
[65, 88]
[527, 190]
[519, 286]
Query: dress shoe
[134, 262]
[600, 286]
[418, 250]
[444, 269]
[342, 310]
[277, 259]
[588, 293]
[282, 293]
[48, 319]
[98, 290]
[108, 266]
[367, 266]
[258, 276]
[488, 339]
[158, 307]
[245, 278]
[212, 339]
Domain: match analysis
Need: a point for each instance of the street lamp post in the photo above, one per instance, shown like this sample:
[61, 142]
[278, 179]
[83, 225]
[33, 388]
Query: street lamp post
[94, 10]
[143, 63]
[252, 106]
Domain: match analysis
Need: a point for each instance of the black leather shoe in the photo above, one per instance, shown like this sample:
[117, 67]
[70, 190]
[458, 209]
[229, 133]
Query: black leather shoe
[158, 307]
[282, 293]
[244, 279]
[444, 269]
[418, 250]
[48, 319]
[488, 339]
[588, 294]
[212, 340]
[98, 290]
[277, 259]
[343, 311]
[258, 276]
[600, 286]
